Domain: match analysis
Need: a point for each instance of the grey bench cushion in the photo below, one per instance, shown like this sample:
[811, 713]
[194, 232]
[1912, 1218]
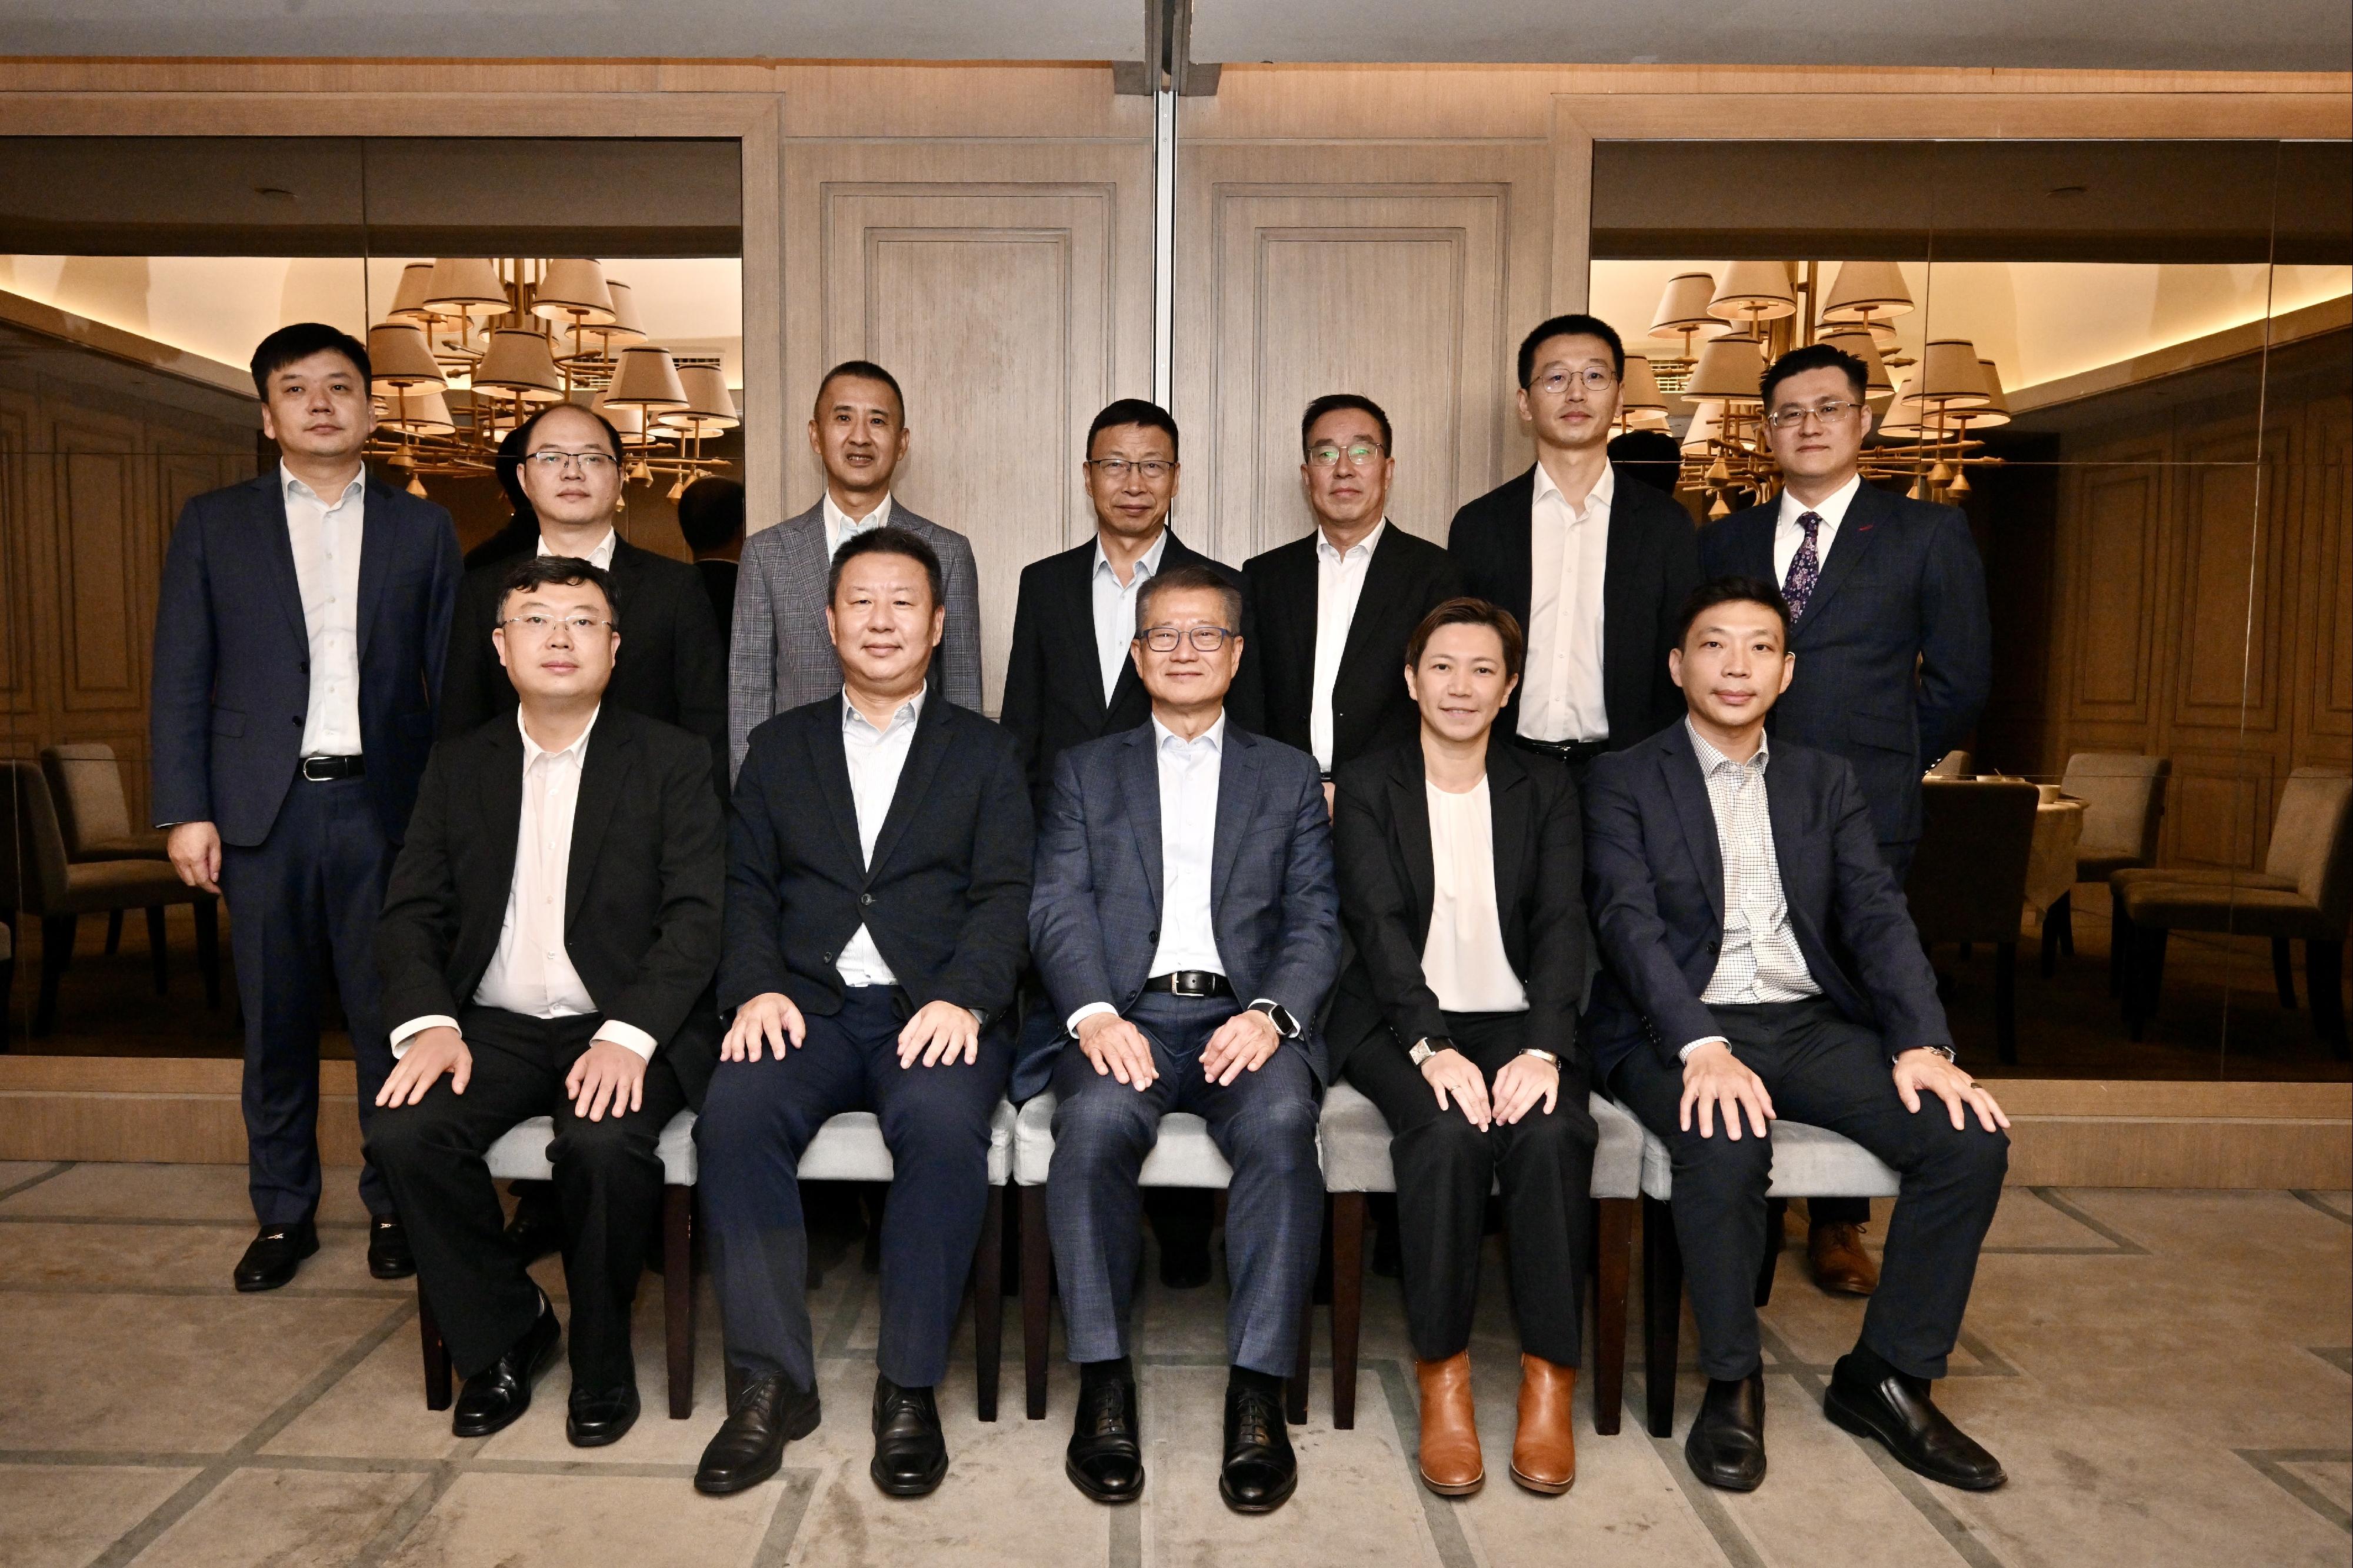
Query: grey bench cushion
[847, 1148]
[521, 1153]
[1355, 1141]
[1807, 1162]
[1184, 1156]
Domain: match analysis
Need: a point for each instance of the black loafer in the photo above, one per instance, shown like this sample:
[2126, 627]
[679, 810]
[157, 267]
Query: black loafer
[1260, 1472]
[1105, 1460]
[536, 1231]
[1725, 1446]
[1897, 1410]
[764, 1413]
[910, 1455]
[388, 1253]
[275, 1254]
[495, 1397]
[594, 1418]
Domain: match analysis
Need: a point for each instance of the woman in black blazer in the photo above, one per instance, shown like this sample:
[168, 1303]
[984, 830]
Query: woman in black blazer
[1460, 868]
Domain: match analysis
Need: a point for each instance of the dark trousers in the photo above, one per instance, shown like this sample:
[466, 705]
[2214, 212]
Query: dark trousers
[608, 1181]
[1445, 1168]
[304, 899]
[1263, 1124]
[1857, 1211]
[1823, 1070]
[757, 1118]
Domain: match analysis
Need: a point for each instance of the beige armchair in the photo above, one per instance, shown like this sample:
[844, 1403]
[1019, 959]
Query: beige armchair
[2124, 803]
[86, 782]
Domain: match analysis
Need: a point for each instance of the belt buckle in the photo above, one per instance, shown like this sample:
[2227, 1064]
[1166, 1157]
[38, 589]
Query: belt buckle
[308, 775]
[1188, 983]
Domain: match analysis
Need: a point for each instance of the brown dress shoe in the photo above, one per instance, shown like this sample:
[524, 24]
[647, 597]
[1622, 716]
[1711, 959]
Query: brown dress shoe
[1544, 1452]
[1835, 1254]
[1451, 1465]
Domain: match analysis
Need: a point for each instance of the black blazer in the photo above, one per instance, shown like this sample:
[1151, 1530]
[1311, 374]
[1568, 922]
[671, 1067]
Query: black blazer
[1381, 834]
[673, 664]
[1053, 684]
[1651, 566]
[947, 897]
[641, 896]
[1406, 578]
[1902, 590]
[1654, 879]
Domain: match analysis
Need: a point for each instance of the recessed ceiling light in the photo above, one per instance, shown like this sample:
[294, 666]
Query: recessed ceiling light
[276, 193]
[2065, 191]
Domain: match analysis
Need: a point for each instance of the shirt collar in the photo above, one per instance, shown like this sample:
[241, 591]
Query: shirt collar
[1604, 490]
[1709, 758]
[288, 484]
[841, 525]
[1145, 565]
[1831, 509]
[1214, 737]
[577, 751]
[909, 712]
[600, 554]
[1363, 548]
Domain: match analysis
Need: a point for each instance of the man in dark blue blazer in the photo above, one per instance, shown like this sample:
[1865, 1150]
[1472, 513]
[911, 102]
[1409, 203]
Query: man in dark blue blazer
[1889, 625]
[1761, 962]
[1187, 922]
[300, 635]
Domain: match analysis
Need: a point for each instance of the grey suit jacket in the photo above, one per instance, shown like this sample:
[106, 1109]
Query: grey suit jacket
[780, 656]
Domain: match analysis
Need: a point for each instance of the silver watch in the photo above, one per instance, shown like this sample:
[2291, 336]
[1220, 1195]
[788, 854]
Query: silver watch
[1425, 1048]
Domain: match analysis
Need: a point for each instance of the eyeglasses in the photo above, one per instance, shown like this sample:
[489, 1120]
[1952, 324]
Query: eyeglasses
[592, 464]
[541, 625]
[1831, 413]
[1204, 640]
[1593, 378]
[1327, 456]
[1116, 469]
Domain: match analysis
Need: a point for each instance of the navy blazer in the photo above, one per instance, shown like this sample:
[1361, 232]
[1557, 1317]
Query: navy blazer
[232, 682]
[1095, 915]
[1902, 588]
[1654, 881]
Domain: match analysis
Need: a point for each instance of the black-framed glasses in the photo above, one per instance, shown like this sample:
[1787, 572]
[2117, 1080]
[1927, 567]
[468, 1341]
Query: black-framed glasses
[549, 461]
[1204, 640]
[1593, 378]
[545, 626]
[1327, 455]
[1116, 469]
[1794, 415]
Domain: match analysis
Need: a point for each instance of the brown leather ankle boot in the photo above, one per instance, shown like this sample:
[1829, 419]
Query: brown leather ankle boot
[1451, 1465]
[1544, 1451]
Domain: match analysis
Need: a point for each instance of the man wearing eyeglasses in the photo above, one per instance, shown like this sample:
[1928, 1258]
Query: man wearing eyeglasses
[1891, 636]
[1592, 562]
[550, 930]
[1187, 922]
[1336, 609]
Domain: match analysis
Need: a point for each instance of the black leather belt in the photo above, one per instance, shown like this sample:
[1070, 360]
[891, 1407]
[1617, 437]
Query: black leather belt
[1190, 982]
[1563, 750]
[318, 770]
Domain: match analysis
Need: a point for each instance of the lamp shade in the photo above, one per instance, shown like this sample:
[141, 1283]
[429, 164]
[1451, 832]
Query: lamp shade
[1646, 419]
[521, 361]
[630, 421]
[1950, 374]
[1638, 389]
[1858, 341]
[399, 359]
[1683, 307]
[420, 412]
[408, 299]
[1994, 399]
[573, 290]
[709, 407]
[646, 378]
[1755, 291]
[1866, 289]
[467, 285]
[624, 327]
[1707, 425]
[1729, 367]
[1903, 420]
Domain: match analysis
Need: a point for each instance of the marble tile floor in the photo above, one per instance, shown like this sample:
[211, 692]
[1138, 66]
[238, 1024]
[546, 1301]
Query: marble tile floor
[2167, 1376]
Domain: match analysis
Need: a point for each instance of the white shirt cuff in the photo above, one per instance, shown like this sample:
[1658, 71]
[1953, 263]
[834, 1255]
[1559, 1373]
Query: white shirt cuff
[415, 1026]
[629, 1038]
[1684, 1055]
[1070, 1024]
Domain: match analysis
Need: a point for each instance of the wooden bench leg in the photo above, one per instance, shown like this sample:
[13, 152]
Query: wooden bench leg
[988, 1303]
[1663, 1310]
[677, 1296]
[1037, 1284]
[1615, 1227]
[2284, 972]
[1777, 1222]
[207, 913]
[113, 932]
[2005, 1002]
[1294, 1390]
[158, 953]
[436, 1354]
[57, 952]
[1348, 1303]
[2324, 983]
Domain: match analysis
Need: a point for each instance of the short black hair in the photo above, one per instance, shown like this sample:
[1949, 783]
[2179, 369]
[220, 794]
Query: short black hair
[1575, 324]
[711, 513]
[549, 571]
[507, 466]
[1332, 403]
[1133, 411]
[522, 432]
[1192, 579]
[1652, 457]
[887, 540]
[1731, 590]
[291, 345]
[861, 370]
[1816, 356]
[1470, 612]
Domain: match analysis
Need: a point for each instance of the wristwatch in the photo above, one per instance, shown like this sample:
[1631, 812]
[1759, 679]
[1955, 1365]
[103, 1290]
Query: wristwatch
[1944, 1051]
[1427, 1047]
[1279, 1016]
[1546, 1056]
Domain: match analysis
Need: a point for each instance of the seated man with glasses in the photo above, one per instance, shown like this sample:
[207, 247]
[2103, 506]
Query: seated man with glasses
[1186, 921]
[550, 933]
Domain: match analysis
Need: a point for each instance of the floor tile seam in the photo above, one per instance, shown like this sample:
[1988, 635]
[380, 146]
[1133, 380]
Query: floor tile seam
[1124, 1546]
[2313, 1199]
[200, 1293]
[1707, 1507]
[162, 1223]
[2058, 1200]
[1440, 1516]
[785, 1518]
[107, 1460]
[29, 1182]
[2271, 1465]
[2338, 1356]
[412, 1510]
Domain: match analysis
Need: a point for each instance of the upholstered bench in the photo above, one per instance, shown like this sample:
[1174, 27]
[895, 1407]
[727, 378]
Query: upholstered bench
[1807, 1162]
[1353, 1142]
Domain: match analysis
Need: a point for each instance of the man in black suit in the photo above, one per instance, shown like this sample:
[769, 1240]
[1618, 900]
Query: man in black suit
[553, 923]
[1761, 963]
[711, 517]
[1593, 563]
[1890, 629]
[300, 634]
[877, 883]
[1334, 609]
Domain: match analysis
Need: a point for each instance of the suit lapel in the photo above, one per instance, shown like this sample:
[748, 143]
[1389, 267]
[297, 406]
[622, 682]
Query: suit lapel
[604, 769]
[1139, 770]
[277, 550]
[1409, 816]
[498, 795]
[376, 527]
[1079, 622]
[1688, 790]
[1857, 533]
[829, 765]
[924, 754]
[1388, 585]
[1237, 798]
[1509, 798]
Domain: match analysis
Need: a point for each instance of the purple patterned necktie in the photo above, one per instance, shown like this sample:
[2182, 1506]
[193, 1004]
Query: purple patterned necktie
[1805, 567]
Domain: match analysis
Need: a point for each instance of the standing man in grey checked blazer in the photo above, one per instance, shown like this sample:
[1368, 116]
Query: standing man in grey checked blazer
[780, 656]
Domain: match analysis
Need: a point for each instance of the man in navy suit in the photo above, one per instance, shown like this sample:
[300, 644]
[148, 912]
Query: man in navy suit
[1761, 962]
[298, 641]
[1887, 606]
[1187, 922]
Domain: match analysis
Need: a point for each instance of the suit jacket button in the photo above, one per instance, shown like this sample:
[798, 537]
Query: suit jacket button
[1714, 947]
[865, 898]
[828, 958]
[1151, 936]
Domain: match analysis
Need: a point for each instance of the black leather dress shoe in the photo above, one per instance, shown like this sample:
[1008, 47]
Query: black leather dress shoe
[275, 1254]
[911, 1456]
[1725, 1447]
[388, 1253]
[494, 1396]
[1260, 1472]
[595, 1417]
[536, 1231]
[1105, 1461]
[764, 1413]
[1897, 1410]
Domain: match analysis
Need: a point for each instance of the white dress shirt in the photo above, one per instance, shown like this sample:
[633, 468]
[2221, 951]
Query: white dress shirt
[1339, 583]
[1568, 551]
[326, 541]
[600, 557]
[531, 973]
[1462, 958]
[1760, 960]
[1787, 535]
[839, 525]
[1115, 606]
[876, 758]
